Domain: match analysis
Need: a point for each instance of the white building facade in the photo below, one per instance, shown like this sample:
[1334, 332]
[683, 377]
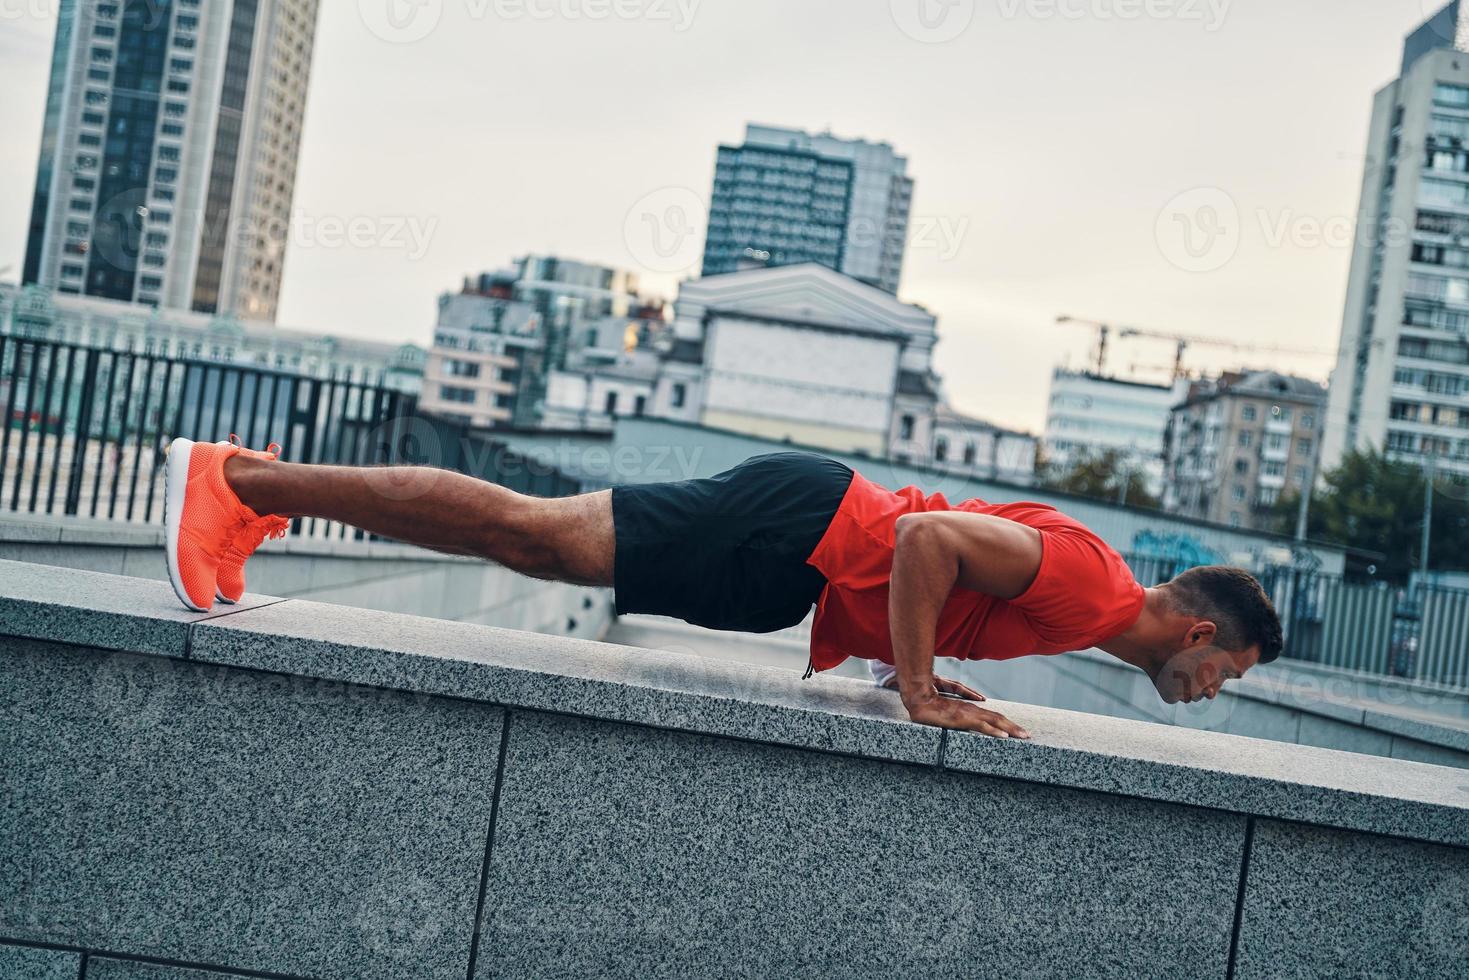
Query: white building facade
[800, 353]
[1401, 383]
[1089, 413]
[168, 153]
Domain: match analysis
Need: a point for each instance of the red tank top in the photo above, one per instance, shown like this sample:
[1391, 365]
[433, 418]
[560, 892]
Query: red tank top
[1082, 595]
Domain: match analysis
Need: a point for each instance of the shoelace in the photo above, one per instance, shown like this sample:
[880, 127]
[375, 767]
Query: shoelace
[252, 535]
[273, 449]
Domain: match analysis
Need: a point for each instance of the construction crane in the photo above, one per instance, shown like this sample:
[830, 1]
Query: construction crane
[1182, 343]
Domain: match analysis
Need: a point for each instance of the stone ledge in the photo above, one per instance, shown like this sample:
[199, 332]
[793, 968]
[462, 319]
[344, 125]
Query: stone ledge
[105, 612]
[596, 680]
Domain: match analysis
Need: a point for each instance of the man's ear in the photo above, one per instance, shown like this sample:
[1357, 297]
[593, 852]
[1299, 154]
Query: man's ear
[1200, 634]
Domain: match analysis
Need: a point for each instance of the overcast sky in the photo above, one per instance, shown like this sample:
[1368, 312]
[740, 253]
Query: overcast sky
[1050, 141]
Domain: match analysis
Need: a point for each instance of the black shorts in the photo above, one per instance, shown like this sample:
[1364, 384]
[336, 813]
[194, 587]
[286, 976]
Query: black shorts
[728, 552]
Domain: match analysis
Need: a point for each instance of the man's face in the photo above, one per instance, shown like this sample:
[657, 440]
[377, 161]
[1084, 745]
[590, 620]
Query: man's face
[1199, 670]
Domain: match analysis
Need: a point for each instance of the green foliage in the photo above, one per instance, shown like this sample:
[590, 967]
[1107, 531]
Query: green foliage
[1100, 475]
[1371, 503]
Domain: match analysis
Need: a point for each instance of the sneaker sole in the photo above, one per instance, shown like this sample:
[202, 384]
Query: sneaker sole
[175, 486]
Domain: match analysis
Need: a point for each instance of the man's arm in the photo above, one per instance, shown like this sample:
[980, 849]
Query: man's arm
[935, 553]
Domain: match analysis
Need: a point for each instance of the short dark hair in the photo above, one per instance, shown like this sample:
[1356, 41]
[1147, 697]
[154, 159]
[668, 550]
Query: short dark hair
[1233, 599]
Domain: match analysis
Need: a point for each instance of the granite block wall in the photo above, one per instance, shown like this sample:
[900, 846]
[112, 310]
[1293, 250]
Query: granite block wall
[405, 798]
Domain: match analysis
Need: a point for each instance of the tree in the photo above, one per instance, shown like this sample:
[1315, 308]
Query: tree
[1372, 503]
[1100, 474]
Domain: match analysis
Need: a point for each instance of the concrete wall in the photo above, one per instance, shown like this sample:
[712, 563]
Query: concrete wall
[371, 575]
[293, 789]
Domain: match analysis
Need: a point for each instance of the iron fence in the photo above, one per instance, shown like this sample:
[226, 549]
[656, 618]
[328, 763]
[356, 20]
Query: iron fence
[86, 428]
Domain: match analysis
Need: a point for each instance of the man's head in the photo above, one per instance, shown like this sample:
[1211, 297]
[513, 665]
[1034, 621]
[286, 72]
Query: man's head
[1215, 623]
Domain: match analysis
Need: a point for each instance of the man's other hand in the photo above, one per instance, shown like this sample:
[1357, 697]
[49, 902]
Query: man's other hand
[943, 712]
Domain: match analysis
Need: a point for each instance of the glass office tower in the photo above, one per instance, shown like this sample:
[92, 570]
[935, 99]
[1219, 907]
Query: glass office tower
[168, 153]
[785, 196]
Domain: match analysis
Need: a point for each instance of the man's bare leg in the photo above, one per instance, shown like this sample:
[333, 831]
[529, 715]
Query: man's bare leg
[568, 539]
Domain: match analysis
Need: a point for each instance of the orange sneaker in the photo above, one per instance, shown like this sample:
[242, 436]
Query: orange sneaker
[230, 581]
[202, 517]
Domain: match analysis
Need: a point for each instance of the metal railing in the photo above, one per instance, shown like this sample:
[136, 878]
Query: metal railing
[86, 428]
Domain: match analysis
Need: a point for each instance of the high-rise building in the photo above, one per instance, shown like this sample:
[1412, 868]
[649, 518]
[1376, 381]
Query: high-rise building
[1237, 443]
[1401, 383]
[785, 196]
[168, 152]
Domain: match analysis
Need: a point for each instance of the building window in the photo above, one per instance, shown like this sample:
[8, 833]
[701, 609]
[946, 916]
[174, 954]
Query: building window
[639, 403]
[1279, 413]
[905, 428]
[1304, 446]
[971, 454]
[1454, 96]
[464, 396]
[1241, 466]
[1245, 439]
[1234, 518]
[1248, 413]
[941, 449]
[680, 394]
[1237, 494]
[610, 406]
[461, 369]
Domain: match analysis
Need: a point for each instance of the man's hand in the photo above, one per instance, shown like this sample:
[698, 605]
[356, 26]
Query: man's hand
[945, 686]
[939, 711]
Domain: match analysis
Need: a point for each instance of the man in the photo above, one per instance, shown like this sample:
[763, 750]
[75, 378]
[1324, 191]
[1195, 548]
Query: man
[895, 577]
